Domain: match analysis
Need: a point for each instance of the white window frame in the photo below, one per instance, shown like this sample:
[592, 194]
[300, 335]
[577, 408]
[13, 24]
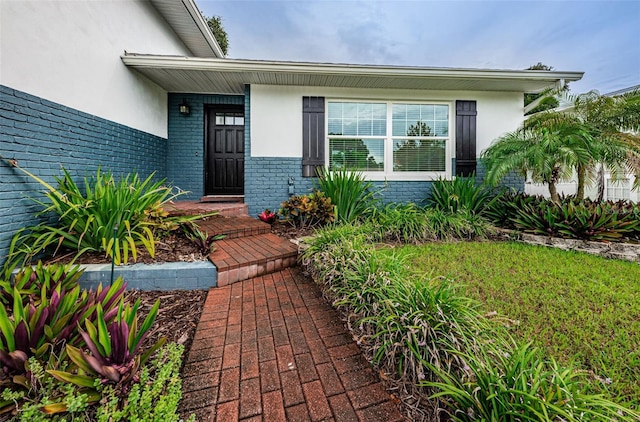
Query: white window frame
[620, 186]
[388, 173]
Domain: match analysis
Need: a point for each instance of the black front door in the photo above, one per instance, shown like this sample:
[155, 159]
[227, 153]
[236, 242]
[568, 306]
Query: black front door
[224, 149]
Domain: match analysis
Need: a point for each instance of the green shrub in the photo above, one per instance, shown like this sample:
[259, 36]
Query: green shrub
[44, 318]
[114, 348]
[367, 231]
[307, 211]
[46, 398]
[520, 385]
[597, 221]
[410, 223]
[87, 217]
[402, 223]
[460, 194]
[461, 225]
[31, 280]
[570, 218]
[155, 397]
[421, 320]
[45, 355]
[400, 320]
[204, 241]
[505, 207]
[350, 194]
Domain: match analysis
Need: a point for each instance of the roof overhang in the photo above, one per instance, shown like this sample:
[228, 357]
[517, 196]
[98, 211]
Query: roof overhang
[623, 91]
[229, 76]
[187, 22]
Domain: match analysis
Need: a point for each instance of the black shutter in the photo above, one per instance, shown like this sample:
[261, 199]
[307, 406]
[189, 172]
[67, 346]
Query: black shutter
[465, 138]
[312, 135]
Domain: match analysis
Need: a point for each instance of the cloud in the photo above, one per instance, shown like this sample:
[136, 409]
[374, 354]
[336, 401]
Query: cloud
[598, 37]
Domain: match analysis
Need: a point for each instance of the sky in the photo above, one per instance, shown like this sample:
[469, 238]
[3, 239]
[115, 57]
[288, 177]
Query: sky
[600, 38]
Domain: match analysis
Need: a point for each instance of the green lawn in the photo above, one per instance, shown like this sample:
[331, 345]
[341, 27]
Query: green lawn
[581, 309]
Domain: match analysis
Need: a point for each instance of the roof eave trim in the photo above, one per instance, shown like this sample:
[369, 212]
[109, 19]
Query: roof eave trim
[198, 19]
[231, 65]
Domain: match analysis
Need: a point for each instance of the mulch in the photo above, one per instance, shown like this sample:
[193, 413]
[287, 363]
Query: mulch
[289, 231]
[174, 247]
[177, 317]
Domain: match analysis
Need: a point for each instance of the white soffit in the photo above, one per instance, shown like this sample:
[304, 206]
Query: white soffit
[229, 76]
[187, 22]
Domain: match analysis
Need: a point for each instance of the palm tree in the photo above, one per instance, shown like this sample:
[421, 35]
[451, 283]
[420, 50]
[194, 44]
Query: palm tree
[614, 122]
[596, 132]
[548, 152]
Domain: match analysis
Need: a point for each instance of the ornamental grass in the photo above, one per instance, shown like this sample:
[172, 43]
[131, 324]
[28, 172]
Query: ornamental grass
[452, 361]
[113, 216]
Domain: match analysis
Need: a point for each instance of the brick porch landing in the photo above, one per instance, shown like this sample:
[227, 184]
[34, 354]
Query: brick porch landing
[194, 207]
[271, 349]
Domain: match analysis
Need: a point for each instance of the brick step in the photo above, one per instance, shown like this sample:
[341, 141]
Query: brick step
[234, 227]
[248, 257]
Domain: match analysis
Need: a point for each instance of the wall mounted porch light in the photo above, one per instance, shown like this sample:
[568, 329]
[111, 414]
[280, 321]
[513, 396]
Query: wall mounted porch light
[184, 108]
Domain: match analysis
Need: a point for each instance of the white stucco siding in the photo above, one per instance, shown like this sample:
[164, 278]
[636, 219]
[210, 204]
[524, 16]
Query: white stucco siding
[69, 52]
[570, 187]
[498, 113]
[276, 113]
[276, 121]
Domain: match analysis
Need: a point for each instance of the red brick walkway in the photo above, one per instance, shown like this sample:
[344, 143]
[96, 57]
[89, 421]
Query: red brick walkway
[271, 349]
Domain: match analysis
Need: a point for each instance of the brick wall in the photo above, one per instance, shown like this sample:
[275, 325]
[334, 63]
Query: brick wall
[185, 155]
[43, 136]
[404, 191]
[512, 180]
[267, 182]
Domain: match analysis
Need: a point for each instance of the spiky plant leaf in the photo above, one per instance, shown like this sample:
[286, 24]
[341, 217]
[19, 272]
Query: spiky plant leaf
[79, 380]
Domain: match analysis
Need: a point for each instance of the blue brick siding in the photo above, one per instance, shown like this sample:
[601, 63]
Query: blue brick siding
[185, 155]
[403, 191]
[43, 136]
[267, 182]
[512, 180]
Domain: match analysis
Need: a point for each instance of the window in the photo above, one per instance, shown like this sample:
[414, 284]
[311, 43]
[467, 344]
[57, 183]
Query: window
[618, 189]
[356, 136]
[420, 137]
[230, 119]
[399, 140]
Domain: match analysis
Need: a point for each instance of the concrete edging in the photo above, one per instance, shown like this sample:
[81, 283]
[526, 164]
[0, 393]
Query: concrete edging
[165, 276]
[610, 250]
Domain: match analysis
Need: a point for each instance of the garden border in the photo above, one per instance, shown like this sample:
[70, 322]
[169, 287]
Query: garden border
[197, 275]
[609, 250]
